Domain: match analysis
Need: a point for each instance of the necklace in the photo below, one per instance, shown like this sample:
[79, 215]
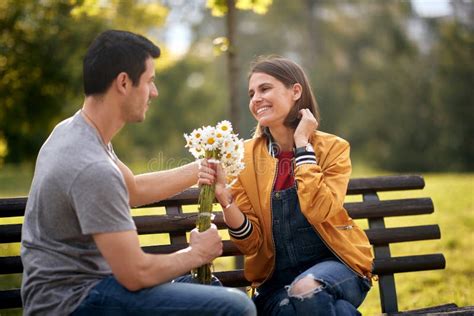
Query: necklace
[107, 148]
[93, 123]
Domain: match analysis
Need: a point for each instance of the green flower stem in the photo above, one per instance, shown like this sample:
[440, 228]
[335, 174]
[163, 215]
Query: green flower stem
[206, 198]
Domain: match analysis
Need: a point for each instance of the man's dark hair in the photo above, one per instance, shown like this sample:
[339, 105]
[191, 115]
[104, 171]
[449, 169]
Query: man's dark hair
[113, 52]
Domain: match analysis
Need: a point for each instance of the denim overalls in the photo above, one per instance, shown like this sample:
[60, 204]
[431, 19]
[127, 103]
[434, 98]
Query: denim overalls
[300, 252]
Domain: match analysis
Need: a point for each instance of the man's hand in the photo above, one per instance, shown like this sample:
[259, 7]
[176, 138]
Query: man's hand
[207, 172]
[206, 245]
[211, 172]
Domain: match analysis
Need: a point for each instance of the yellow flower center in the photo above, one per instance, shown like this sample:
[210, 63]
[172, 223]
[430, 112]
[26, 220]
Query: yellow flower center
[211, 140]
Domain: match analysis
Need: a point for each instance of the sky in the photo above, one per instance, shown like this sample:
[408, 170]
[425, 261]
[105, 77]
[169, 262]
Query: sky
[431, 8]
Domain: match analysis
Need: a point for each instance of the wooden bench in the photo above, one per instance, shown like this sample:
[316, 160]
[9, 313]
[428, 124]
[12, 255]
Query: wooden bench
[177, 223]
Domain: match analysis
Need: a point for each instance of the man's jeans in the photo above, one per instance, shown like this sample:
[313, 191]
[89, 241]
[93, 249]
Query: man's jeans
[110, 298]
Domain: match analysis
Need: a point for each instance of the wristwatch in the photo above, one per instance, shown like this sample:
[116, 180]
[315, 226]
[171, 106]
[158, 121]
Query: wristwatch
[304, 149]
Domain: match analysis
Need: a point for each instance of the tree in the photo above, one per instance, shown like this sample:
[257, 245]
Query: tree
[452, 97]
[228, 44]
[41, 48]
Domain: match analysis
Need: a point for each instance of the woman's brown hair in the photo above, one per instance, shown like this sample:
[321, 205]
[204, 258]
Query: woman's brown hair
[288, 73]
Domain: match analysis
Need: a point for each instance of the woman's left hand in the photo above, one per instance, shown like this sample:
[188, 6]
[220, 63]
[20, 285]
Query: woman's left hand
[306, 127]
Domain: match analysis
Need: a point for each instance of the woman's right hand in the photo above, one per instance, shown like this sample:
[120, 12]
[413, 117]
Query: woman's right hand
[306, 127]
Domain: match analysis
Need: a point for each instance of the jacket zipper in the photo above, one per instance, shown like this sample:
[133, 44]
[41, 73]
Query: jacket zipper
[345, 227]
[335, 253]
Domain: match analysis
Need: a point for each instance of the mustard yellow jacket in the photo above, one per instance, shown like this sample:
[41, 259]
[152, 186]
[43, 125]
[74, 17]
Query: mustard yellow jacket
[321, 190]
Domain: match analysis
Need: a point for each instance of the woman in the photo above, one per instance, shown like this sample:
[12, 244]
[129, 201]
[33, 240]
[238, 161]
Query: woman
[303, 254]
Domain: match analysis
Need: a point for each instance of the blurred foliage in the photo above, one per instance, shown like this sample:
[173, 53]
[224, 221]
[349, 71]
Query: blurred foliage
[41, 48]
[39, 70]
[220, 7]
[125, 14]
[403, 101]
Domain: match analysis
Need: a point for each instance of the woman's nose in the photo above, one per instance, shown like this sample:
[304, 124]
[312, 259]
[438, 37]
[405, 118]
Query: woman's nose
[256, 98]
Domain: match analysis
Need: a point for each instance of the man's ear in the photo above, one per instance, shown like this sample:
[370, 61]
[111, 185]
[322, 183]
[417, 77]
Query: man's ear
[122, 82]
[297, 91]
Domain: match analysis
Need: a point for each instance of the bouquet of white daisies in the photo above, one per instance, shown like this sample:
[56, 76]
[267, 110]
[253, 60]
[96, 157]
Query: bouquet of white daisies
[219, 144]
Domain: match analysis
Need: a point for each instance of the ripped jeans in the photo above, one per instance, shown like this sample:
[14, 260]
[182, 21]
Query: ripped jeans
[342, 291]
[300, 252]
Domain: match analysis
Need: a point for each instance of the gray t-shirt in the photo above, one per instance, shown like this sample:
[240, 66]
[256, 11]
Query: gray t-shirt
[77, 191]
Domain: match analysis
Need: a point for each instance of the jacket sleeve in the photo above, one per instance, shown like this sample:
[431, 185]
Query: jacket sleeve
[248, 237]
[322, 189]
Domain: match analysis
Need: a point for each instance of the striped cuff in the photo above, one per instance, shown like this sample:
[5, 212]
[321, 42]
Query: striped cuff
[305, 157]
[243, 231]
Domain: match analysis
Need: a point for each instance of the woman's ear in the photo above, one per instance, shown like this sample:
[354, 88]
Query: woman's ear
[297, 91]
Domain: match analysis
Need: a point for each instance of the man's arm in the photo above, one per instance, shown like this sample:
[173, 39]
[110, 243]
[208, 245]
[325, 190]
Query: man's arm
[135, 269]
[155, 186]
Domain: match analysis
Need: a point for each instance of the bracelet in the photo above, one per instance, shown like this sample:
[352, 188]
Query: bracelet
[231, 200]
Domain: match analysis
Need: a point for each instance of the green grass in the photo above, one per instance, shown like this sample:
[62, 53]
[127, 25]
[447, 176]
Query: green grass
[453, 197]
[15, 180]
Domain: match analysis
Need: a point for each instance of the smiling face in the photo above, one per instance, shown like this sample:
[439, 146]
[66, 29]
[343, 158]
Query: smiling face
[270, 99]
[140, 96]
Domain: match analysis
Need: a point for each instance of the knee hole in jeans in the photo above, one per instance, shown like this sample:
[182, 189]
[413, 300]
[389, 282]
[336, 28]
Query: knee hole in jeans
[305, 287]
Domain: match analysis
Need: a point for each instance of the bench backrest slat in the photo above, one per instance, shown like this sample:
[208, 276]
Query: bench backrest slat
[385, 183]
[11, 207]
[388, 266]
[10, 299]
[377, 208]
[383, 236]
[10, 265]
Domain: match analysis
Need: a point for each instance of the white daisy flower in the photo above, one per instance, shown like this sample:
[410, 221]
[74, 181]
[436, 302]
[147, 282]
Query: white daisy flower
[225, 127]
[220, 142]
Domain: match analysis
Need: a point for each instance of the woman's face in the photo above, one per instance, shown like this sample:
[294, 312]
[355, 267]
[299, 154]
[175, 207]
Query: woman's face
[270, 100]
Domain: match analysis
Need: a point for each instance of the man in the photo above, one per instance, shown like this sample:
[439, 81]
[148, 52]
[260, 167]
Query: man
[80, 248]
